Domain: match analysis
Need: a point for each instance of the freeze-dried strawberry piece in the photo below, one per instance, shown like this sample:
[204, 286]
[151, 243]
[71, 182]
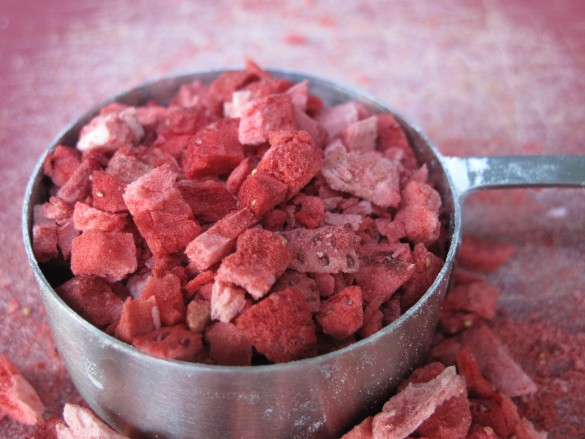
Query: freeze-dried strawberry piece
[265, 114]
[422, 374]
[260, 192]
[280, 327]
[336, 119]
[45, 236]
[366, 175]
[159, 211]
[312, 211]
[325, 283]
[408, 409]
[299, 93]
[190, 95]
[227, 301]
[234, 107]
[426, 268]
[292, 158]
[222, 88]
[111, 131]
[451, 419]
[66, 233]
[483, 255]
[56, 209]
[311, 126]
[126, 165]
[167, 264]
[106, 192]
[170, 343]
[169, 299]
[198, 281]
[78, 186]
[80, 422]
[478, 431]
[18, 398]
[228, 345]
[361, 135]
[381, 274]
[305, 285]
[92, 298]
[261, 257]
[495, 363]
[391, 135]
[341, 315]
[89, 218]
[419, 212]
[239, 175]
[198, 315]
[478, 298]
[328, 249]
[219, 240]
[525, 430]
[339, 219]
[498, 412]
[477, 385]
[137, 318]
[61, 163]
[209, 200]
[214, 150]
[373, 320]
[111, 255]
[361, 431]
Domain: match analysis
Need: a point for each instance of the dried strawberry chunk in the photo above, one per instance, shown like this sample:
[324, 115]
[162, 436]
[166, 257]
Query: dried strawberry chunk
[482, 255]
[78, 186]
[265, 114]
[111, 255]
[328, 249]
[392, 136]
[169, 299]
[451, 419]
[209, 200]
[86, 217]
[159, 211]
[61, 163]
[227, 301]
[107, 191]
[260, 192]
[170, 343]
[92, 298]
[198, 315]
[111, 131]
[227, 345]
[219, 240]
[137, 318]
[419, 212]
[303, 283]
[17, 397]
[366, 175]
[337, 118]
[280, 327]
[361, 135]
[261, 257]
[426, 268]
[45, 236]
[214, 150]
[80, 422]
[341, 315]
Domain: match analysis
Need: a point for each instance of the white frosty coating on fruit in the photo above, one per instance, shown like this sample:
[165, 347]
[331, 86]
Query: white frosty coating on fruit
[98, 136]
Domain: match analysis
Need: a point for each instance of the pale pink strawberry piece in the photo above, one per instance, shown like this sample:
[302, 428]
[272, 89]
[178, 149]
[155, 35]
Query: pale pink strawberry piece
[111, 255]
[292, 158]
[137, 318]
[45, 235]
[312, 211]
[168, 296]
[328, 249]
[451, 419]
[483, 255]
[341, 315]
[170, 343]
[311, 126]
[526, 430]
[233, 108]
[92, 298]
[57, 209]
[265, 114]
[66, 233]
[214, 150]
[392, 136]
[18, 399]
[325, 283]
[126, 165]
[408, 409]
[363, 430]
[190, 95]
[299, 93]
[222, 88]
[80, 422]
[495, 363]
[228, 345]
[219, 240]
[261, 192]
[361, 135]
[337, 118]
[209, 200]
[227, 301]
[419, 212]
[78, 186]
[86, 217]
[340, 219]
[239, 175]
[160, 212]
[198, 315]
[426, 268]
[305, 285]
[61, 163]
[106, 192]
[366, 175]
[261, 257]
[392, 230]
[280, 327]
[111, 131]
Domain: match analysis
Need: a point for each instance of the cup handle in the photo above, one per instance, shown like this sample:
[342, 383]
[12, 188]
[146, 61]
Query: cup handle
[469, 174]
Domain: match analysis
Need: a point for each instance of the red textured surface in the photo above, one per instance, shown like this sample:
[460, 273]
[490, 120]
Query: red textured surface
[486, 77]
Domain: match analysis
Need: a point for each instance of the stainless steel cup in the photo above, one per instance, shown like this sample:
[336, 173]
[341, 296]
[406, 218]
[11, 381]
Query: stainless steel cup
[143, 396]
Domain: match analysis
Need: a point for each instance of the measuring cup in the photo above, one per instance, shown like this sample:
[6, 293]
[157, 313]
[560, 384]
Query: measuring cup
[143, 396]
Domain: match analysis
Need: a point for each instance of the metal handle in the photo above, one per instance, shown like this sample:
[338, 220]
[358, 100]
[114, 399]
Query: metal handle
[472, 173]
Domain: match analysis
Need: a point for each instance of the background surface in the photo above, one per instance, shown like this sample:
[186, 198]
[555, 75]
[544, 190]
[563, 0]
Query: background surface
[482, 77]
